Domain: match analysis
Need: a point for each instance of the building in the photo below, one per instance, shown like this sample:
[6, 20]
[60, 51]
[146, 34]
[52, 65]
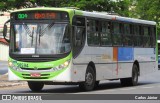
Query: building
[4, 48]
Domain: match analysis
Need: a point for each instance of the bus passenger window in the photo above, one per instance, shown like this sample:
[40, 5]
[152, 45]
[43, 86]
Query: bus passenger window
[127, 41]
[146, 37]
[105, 33]
[153, 36]
[92, 32]
[138, 36]
[117, 40]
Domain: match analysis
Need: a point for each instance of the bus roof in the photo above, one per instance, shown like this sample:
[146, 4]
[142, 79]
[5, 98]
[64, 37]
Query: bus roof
[119, 18]
[93, 14]
[43, 8]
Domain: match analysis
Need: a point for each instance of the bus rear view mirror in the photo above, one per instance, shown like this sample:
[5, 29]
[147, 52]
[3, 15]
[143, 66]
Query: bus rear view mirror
[5, 31]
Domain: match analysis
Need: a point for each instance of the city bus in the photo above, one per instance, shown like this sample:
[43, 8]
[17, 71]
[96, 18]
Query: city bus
[49, 46]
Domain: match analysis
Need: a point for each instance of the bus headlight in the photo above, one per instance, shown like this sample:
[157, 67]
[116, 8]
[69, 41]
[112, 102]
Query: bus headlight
[11, 65]
[60, 67]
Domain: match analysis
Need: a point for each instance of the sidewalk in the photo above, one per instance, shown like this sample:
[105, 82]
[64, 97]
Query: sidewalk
[4, 78]
[5, 83]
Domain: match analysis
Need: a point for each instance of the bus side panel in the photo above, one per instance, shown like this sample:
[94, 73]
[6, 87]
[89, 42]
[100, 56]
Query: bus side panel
[147, 60]
[103, 59]
[125, 62]
[80, 64]
[65, 76]
[146, 68]
[124, 70]
[78, 73]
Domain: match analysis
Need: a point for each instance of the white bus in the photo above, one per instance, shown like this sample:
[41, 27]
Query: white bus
[68, 46]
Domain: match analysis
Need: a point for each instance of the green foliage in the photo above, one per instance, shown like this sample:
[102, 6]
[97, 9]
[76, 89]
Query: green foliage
[147, 10]
[143, 9]
[120, 7]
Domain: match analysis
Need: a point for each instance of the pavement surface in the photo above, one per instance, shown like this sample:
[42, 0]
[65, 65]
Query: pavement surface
[3, 67]
[4, 77]
[4, 82]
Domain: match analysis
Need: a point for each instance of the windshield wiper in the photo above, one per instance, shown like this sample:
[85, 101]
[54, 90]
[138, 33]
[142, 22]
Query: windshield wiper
[29, 33]
[41, 32]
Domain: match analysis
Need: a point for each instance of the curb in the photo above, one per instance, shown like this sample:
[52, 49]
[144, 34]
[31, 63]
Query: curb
[11, 85]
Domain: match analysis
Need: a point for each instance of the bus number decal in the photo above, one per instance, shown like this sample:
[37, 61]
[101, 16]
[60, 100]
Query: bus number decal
[22, 65]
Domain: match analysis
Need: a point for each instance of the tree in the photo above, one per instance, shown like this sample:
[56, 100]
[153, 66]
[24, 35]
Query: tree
[147, 10]
[119, 6]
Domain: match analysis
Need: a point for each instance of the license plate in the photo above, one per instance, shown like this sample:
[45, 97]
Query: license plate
[35, 75]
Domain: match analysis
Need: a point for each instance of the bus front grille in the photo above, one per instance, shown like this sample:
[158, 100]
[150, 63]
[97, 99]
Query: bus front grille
[36, 68]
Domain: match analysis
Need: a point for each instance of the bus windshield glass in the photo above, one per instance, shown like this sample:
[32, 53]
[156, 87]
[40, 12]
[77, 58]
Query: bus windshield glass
[41, 38]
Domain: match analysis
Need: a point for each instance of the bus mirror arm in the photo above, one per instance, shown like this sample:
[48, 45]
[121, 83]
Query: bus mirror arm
[5, 30]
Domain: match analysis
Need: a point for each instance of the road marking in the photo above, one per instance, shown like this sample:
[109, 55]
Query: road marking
[148, 87]
[127, 89]
[158, 86]
[111, 90]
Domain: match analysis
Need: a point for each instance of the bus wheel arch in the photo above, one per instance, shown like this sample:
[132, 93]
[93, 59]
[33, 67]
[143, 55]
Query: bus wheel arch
[94, 68]
[133, 80]
[90, 78]
[137, 63]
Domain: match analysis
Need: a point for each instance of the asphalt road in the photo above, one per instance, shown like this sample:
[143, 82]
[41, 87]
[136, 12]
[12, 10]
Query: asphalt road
[3, 67]
[148, 84]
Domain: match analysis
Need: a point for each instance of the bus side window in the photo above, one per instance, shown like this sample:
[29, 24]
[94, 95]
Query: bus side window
[78, 35]
[136, 33]
[153, 36]
[92, 32]
[146, 37]
[80, 31]
[105, 33]
[140, 37]
[117, 37]
[127, 35]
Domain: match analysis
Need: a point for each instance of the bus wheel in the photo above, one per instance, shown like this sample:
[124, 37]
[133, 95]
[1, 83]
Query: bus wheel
[35, 86]
[90, 80]
[96, 85]
[132, 81]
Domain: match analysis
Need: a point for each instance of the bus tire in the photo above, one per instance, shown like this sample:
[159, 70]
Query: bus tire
[132, 81]
[96, 85]
[35, 86]
[90, 80]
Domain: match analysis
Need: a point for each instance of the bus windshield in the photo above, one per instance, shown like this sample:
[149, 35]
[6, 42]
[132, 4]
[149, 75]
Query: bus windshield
[41, 38]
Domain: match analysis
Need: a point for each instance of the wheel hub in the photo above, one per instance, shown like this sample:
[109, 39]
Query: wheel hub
[89, 79]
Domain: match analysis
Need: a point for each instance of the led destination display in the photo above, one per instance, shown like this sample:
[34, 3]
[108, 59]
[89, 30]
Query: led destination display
[41, 15]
